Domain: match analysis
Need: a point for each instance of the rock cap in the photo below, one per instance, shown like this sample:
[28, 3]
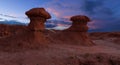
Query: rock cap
[80, 18]
[38, 12]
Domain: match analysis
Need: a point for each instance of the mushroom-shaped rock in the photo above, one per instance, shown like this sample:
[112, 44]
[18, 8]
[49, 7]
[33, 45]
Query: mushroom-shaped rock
[36, 26]
[79, 23]
[37, 17]
[77, 33]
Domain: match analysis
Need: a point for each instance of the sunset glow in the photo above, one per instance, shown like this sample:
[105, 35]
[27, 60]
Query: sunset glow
[105, 12]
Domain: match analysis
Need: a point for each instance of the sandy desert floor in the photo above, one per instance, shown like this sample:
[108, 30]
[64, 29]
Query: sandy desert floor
[62, 54]
[105, 52]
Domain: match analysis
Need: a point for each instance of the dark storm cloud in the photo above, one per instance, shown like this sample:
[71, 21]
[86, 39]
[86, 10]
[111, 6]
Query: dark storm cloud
[103, 15]
[90, 6]
[97, 9]
[102, 12]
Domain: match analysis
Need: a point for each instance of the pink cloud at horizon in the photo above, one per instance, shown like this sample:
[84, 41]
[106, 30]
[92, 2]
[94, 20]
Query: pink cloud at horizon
[94, 24]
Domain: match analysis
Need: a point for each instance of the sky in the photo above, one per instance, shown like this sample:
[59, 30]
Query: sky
[104, 14]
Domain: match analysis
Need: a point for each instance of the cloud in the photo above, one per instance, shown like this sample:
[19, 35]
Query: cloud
[100, 12]
[103, 16]
[57, 24]
[8, 16]
[104, 13]
[97, 9]
[17, 18]
[90, 6]
[1, 19]
[64, 8]
[54, 12]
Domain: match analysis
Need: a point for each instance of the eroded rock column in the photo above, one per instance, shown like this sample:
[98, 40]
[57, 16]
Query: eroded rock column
[77, 33]
[38, 17]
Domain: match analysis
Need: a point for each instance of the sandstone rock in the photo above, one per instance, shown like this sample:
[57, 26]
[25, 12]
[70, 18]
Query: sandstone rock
[80, 18]
[33, 36]
[79, 23]
[77, 33]
[36, 36]
[37, 17]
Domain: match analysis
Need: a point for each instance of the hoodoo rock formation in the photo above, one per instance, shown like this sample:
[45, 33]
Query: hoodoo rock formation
[36, 26]
[79, 23]
[35, 33]
[37, 17]
[77, 33]
[35, 45]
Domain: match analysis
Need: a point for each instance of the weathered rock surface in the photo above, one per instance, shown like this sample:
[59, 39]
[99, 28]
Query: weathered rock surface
[36, 26]
[33, 36]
